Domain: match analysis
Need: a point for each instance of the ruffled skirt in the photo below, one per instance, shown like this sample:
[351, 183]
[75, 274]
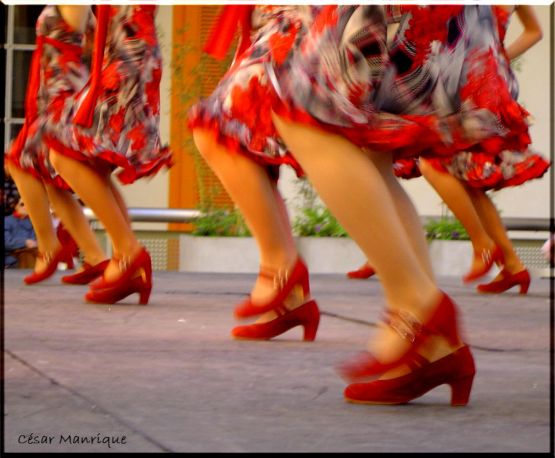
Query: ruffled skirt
[125, 114]
[429, 94]
[238, 112]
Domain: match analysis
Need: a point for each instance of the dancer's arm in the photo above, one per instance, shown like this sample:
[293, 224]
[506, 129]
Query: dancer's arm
[531, 34]
[75, 16]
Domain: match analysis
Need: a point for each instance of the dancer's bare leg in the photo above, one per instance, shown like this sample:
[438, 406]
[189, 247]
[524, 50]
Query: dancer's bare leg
[407, 214]
[91, 188]
[494, 226]
[34, 195]
[409, 217]
[337, 169]
[456, 196]
[284, 218]
[106, 173]
[71, 214]
[261, 205]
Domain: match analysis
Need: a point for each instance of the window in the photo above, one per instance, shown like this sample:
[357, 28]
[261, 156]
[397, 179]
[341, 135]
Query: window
[19, 43]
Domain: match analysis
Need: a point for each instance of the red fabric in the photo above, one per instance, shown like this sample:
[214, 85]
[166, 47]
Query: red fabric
[382, 138]
[406, 168]
[85, 114]
[232, 144]
[129, 173]
[67, 241]
[502, 16]
[535, 168]
[72, 53]
[33, 82]
[427, 24]
[224, 28]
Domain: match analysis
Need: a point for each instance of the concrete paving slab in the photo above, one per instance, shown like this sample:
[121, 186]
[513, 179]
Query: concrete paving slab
[168, 377]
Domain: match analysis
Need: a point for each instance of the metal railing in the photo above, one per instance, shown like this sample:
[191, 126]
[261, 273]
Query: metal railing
[156, 215]
[513, 223]
[527, 224]
[188, 215]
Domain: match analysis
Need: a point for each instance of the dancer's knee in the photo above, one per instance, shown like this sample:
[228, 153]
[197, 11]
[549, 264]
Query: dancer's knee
[205, 143]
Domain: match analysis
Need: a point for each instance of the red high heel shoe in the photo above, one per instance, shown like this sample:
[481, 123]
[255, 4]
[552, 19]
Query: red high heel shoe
[507, 281]
[88, 274]
[443, 322]
[109, 292]
[362, 273]
[52, 261]
[307, 316]
[285, 283]
[489, 257]
[457, 370]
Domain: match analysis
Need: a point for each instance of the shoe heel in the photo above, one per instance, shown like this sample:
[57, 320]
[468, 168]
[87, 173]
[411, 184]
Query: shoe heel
[144, 295]
[311, 321]
[460, 390]
[310, 331]
[524, 287]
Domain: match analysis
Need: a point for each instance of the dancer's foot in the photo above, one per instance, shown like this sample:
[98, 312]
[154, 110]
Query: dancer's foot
[274, 287]
[401, 336]
[45, 265]
[276, 323]
[296, 309]
[505, 281]
[363, 272]
[135, 276]
[433, 354]
[455, 368]
[119, 262]
[483, 261]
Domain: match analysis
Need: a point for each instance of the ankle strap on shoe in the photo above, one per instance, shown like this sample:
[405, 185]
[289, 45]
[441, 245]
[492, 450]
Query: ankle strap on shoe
[123, 261]
[279, 277]
[266, 272]
[47, 256]
[405, 324]
[487, 256]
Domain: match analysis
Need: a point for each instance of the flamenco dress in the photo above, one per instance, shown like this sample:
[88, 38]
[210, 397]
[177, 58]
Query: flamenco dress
[57, 72]
[483, 170]
[114, 120]
[238, 111]
[428, 94]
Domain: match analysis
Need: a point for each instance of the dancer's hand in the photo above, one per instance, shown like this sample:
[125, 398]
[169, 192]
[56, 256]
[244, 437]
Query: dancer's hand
[30, 243]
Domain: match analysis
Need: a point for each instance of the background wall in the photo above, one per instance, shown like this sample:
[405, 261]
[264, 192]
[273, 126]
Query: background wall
[532, 199]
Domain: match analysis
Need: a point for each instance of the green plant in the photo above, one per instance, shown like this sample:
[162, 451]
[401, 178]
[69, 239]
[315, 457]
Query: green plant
[221, 223]
[445, 228]
[313, 219]
[317, 222]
